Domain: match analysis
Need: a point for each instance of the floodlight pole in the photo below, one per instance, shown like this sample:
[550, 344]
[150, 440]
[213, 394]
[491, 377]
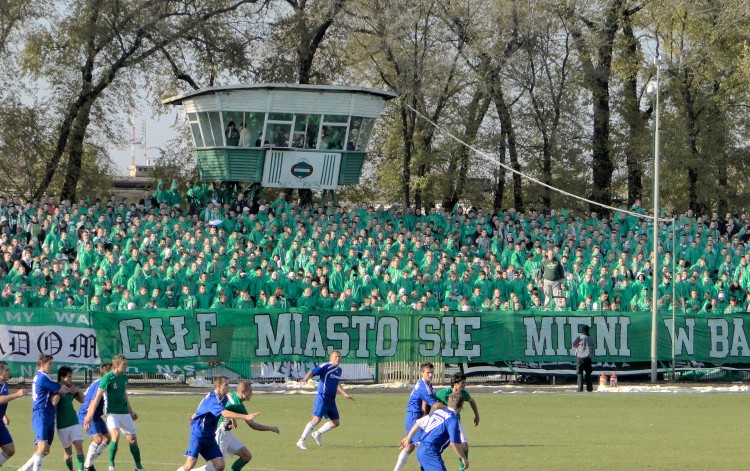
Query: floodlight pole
[655, 256]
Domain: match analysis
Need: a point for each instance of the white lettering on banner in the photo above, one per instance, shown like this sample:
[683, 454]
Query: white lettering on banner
[72, 317]
[180, 331]
[464, 347]
[67, 344]
[436, 336]
[175, 369]
[18, 317]
[539, 340]
[719, 333]
[739, 340]
[159, 347]
[277, 340]
[363, 323]
[562, 347]
[125, 327]
[336, 336]
[431, 336]
[684, 339]
[390, 324]
[314, 344]
[547, 338]
[204, 320]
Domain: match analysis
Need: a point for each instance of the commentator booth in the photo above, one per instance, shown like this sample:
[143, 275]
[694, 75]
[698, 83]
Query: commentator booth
[282, 135]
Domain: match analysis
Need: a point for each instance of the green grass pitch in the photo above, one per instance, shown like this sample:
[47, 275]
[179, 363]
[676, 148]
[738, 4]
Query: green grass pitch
[544, 431]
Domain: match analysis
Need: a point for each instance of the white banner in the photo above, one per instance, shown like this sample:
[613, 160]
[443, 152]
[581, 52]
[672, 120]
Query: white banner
[297, 370]
[300, 169]
[74, 345]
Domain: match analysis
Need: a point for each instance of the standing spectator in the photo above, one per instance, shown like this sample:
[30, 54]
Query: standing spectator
[584, 346]
[553, 274]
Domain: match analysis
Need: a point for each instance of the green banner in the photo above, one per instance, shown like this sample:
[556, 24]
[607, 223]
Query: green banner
[185, 341]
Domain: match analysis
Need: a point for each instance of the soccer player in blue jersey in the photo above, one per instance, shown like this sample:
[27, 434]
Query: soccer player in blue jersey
[438, 430]
[98, 430]
[203, 426]
[6, 441]
[43, 411]
[422, 398]
[325, 402]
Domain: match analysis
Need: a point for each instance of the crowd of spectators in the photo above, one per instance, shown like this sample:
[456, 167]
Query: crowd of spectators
[216, 250]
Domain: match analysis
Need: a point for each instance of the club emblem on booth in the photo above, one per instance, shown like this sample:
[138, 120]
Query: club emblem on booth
[302, 169]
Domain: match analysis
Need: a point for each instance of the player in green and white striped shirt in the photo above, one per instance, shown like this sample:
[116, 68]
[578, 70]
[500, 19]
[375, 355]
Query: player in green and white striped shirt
[228, 443]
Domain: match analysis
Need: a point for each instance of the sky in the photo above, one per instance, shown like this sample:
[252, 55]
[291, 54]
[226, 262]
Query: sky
[158, 130]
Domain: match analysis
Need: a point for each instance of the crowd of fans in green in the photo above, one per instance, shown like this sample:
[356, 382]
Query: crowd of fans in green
[214, 250]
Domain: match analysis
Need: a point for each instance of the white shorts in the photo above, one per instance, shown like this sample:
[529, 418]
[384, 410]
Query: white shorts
[462, 433]
[124, 422]
[228, 443]
[68, 435]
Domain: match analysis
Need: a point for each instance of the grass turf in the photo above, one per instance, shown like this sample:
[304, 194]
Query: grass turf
[517, 431]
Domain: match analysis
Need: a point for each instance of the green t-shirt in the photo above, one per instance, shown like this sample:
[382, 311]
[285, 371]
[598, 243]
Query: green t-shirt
[234, 404]
[115, 393]
[442, 396]
[66, 413]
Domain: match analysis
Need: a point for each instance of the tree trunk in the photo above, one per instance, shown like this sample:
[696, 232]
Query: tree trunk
[497, 201]
[692, 131]
[75, 153]
[635, 119]
[546, 172]
[506, 124]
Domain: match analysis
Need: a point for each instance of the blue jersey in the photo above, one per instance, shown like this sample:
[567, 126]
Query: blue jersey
[439, 429]
[330, 376]
[207, 416]
[42, 390]
[422, 392]
[3, 407]
[89, 396]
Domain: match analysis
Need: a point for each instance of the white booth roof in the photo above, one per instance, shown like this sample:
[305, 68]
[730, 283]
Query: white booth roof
[285, 98]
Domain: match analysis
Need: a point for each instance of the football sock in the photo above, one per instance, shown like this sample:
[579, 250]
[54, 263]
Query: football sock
[37, 466]
[29, 464]
[402, 458]
[69, 462]
[112, 452]
[136, 452]
[325, 428]
[237, 465]
[207, 467]
[79, 462]
[100, 449]
[308, 430]
[3, 457]
[461, 463]
[90, 454]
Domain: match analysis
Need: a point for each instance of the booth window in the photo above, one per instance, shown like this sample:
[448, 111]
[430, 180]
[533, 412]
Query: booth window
[359, 133]
[213, 134]
[195, 128]
[305, 131]
[248, 126]
[333, 132]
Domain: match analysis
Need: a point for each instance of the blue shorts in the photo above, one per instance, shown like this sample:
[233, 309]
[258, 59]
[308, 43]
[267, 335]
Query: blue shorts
[325, 408]
[206, 447]
[5, 437]
[430, 459]
[44, 428]
[97, 426]
[411, 419]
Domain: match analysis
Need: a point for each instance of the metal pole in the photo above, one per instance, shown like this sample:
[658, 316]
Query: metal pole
[655, 259]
